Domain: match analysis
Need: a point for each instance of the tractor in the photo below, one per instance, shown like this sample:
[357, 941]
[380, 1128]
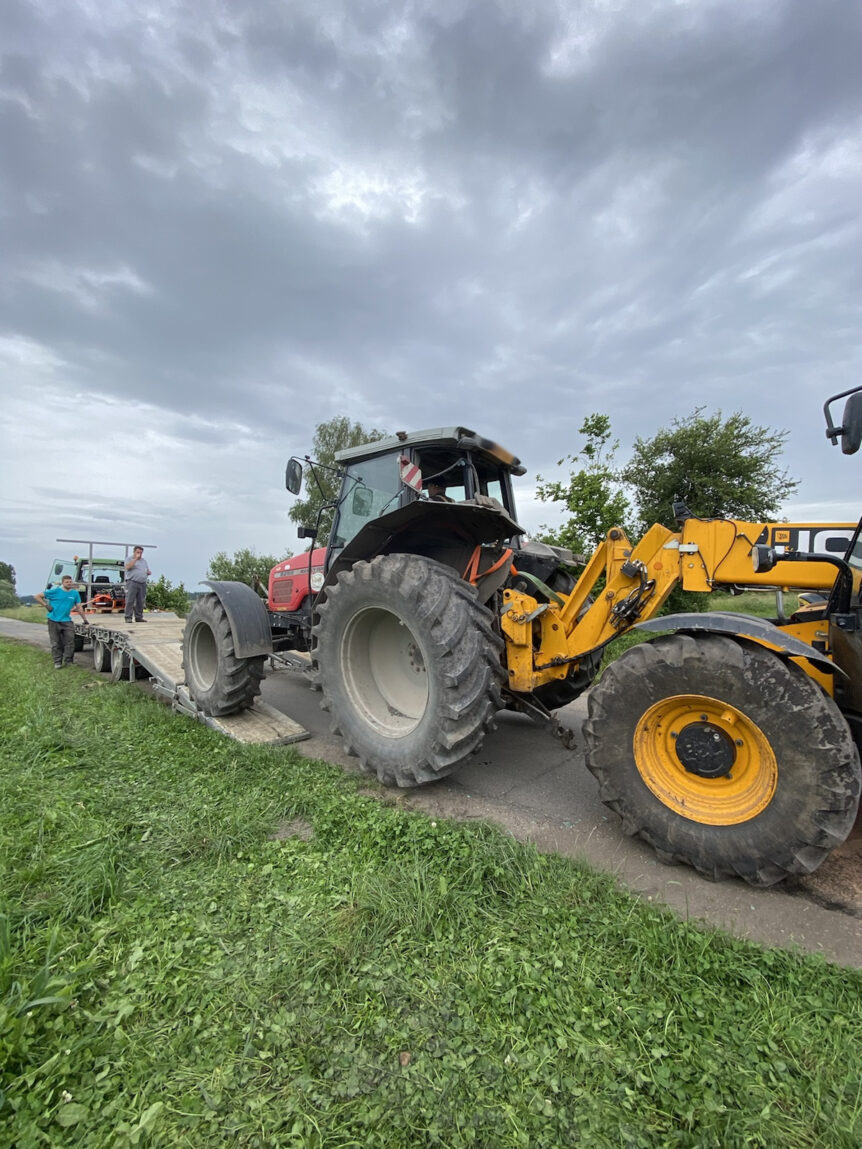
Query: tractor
[726, 742]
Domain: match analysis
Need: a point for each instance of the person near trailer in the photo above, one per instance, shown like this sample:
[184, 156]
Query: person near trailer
[60, 601]
[137, 573]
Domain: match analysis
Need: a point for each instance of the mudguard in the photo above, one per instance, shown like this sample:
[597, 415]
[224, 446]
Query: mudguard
[742, 626]
[249, 621]
[410, 529]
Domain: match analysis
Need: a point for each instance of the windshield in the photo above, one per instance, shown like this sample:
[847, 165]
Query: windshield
[371, 488]
[101, 574]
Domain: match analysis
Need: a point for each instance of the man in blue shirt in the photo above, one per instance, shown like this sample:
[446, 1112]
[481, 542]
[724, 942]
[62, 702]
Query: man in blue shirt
[60, 601]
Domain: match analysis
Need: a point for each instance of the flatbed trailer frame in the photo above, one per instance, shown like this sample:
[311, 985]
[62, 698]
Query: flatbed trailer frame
[154, 650]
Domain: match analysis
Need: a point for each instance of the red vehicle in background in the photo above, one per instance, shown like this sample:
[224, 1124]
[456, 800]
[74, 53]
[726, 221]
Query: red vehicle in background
[292, 584]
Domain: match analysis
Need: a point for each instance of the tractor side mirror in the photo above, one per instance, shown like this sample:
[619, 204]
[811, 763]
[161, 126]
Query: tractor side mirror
[851, 425]
[58, 568]
[293, 476]
[363, 500]
[306, 533]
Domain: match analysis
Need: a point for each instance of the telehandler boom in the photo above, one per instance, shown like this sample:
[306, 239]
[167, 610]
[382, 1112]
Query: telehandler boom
[728, 742]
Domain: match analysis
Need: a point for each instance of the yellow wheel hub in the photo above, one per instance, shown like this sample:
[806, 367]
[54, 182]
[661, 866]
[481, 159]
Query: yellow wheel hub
[705, 760]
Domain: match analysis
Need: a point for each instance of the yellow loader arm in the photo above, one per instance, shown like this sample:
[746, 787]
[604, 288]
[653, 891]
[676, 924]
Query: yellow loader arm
[544, 639]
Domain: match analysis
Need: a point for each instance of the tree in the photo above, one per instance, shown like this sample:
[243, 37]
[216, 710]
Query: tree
[592, 494]
[7, 573]
[8, 597]
[162, 595]
[717, 467]
[322, 483]
[244, 566]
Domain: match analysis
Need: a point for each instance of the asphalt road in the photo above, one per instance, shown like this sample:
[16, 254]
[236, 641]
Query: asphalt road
[527, 782]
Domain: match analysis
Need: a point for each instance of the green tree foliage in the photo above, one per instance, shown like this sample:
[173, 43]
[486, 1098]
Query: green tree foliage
[244, 566]
[163, 595]
[322, 483]
[7, 573]
[591, 494]
[8, 597]
[716, 466]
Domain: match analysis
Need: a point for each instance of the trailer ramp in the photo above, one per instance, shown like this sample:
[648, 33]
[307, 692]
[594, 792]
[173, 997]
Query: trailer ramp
[156, 646]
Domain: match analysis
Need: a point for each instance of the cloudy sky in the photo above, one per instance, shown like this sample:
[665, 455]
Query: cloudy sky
[225, 221]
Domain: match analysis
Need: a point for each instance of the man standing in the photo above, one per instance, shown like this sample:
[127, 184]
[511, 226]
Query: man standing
[137, 573]
[60, 601]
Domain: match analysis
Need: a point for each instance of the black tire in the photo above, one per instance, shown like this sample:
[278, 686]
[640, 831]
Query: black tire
[409, 664]
[79, 643]
[101, 656]
[789, 791]
[562, 691]
[218, 681]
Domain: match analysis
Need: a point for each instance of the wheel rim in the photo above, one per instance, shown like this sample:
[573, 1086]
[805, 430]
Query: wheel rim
[705, 760]
[203, 656]
[384, 672]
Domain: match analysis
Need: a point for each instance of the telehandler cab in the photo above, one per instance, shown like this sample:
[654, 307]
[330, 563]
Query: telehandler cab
[726, 742]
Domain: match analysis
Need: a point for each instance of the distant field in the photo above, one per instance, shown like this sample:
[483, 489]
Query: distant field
[24, 613]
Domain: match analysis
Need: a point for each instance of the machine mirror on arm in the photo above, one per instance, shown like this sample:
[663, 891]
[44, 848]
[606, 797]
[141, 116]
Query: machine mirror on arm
[851, 423]
[363, 502]
[293, 477]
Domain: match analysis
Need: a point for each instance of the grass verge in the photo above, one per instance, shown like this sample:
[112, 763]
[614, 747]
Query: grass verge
[202, 944]
[25, 613]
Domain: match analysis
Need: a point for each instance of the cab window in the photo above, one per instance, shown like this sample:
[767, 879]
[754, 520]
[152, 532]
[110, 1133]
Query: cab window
[59, 568]
[371, 488]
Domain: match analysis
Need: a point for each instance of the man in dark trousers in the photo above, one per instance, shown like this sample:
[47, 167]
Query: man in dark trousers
[137, 573]
[60, 601]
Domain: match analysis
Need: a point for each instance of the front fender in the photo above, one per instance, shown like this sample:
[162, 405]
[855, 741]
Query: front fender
[759, 630]
[249, 621]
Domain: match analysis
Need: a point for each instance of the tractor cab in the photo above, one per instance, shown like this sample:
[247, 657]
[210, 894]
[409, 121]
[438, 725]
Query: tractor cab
[394, 473]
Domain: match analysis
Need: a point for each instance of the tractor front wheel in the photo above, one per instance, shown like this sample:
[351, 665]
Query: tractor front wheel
[409, 665]
[720, 754]
[218, 681]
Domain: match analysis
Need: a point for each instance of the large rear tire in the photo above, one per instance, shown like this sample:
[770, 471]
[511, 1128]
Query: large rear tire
[218, 681]
[409, 665]
[721, 755]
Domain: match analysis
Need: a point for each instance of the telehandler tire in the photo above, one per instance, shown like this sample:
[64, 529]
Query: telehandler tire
[218, 681]
[724, 756]
[409, 665]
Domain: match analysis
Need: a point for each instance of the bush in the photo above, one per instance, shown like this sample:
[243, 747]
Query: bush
[162, 595]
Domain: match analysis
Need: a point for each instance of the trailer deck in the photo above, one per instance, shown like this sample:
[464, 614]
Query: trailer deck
[155, 647]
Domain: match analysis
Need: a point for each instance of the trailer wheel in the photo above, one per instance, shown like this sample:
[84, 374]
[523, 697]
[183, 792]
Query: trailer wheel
[79, 643]
[101, 656]
[721, 755]
[119, 664]
[218, 681]
[409, 665]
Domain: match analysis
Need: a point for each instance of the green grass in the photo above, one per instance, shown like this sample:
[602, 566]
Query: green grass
[24, 613]
[172, 974]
